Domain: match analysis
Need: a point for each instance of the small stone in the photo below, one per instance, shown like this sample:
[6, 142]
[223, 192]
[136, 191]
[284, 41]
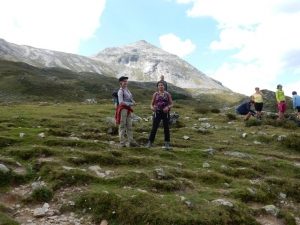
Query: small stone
[41, 135]
[205, 165]
[271, 209]
[223, 202]
[3, 168]
[104, 222]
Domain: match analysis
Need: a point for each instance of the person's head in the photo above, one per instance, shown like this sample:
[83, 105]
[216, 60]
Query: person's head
[251, 102]
[279, 86]
[294, 93]
[160, 86]
[257, 89]
[162, 77]
[123, 81]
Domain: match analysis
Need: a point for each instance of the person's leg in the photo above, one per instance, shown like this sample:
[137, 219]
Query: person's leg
[283, 109]
[155, 123]
[166, 118]
[122, 127]
[247, 116]
[129, 130]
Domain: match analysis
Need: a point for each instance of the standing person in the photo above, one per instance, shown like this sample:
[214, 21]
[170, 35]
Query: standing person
[296, 103]
[245, 109]
[162, 79]
[257, 97]
[160, 105]
[281, 104]
[124, 113]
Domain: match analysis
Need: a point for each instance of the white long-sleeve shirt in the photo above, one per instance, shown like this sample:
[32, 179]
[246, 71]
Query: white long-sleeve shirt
[125, 96]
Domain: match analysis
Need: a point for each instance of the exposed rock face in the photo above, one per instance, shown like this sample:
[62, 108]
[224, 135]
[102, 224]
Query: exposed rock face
[145, 62]
[141, 61]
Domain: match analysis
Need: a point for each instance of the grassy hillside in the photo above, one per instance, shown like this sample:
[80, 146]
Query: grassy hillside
[20, 82]
[220, 171]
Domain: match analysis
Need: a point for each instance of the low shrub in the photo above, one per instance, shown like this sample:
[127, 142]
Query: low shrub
[42, 194]
[292, 141]
[251, 123]
[231, 116]
[215, 110]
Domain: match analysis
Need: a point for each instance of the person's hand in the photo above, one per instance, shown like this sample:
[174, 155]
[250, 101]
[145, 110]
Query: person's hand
[153, 108]
[166, 109]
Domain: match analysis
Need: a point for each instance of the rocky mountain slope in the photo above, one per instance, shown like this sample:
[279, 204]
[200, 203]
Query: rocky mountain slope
[47, 58]
[145, 62]
[141, 61]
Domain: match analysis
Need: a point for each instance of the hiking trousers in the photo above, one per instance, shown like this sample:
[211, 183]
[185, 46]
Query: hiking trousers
[157, 117]
[125, 127]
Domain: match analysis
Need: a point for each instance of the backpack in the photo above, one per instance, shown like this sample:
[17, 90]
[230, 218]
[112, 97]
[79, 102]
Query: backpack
[115, 96]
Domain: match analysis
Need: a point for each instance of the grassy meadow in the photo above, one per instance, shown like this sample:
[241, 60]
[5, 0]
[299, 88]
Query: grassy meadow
[221, 170]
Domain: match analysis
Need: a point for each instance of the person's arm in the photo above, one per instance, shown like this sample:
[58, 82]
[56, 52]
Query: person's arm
[170, 101]
[294, 102]
[152, 105]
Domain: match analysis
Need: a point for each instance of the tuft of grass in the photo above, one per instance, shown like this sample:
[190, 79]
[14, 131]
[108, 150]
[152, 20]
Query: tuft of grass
[7, 220]
[231, 116]
[60, 178]
[253, 122]
[146, 208]
[42, 194]
[215, 110]
[202, 109]
[292, 141]
[7, 141]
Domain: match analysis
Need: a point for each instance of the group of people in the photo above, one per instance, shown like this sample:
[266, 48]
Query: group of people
[256, 100]
[161, 104]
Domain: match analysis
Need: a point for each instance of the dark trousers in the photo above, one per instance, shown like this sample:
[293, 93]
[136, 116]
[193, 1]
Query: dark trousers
[157, 117]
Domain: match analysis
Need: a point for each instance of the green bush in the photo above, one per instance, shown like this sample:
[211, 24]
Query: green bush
[42, 194]
[215, 110]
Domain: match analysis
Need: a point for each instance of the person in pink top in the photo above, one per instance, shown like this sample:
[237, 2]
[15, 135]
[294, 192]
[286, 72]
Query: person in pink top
[161, 104]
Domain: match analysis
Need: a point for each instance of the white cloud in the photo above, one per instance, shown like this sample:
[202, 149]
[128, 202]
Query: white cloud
[173, 44]
[51, 24]
[262, 34]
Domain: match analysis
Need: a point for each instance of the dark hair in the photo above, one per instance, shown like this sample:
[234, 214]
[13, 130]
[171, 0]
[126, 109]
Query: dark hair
[160, 82]
[294, 92]
[279, 85]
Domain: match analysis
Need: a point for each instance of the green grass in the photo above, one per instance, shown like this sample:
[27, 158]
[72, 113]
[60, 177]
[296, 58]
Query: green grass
[151, 186]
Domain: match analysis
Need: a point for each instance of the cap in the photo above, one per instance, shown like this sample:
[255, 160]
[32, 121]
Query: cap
[123, 78]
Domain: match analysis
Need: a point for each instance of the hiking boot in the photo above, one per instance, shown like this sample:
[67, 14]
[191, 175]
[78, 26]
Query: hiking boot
[122, 145]
[167, 146]
[149, 144]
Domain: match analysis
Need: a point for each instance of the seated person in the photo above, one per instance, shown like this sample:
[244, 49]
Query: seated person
[245, 109]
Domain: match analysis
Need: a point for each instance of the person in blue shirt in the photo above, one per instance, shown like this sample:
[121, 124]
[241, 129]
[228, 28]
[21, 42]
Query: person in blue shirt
[296, 103]
[245, 109]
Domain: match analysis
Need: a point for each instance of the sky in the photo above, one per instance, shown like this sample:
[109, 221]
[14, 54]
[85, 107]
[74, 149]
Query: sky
[242, 43]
